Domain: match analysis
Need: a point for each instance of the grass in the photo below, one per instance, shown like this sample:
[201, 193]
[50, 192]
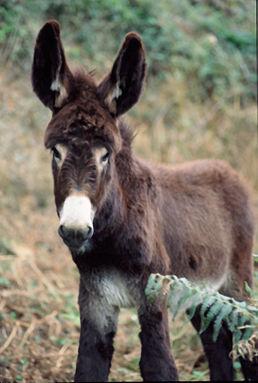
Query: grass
[39, 324]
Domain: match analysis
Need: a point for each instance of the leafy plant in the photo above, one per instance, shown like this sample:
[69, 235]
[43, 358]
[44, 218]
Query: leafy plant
[210, 44]
[215, 308]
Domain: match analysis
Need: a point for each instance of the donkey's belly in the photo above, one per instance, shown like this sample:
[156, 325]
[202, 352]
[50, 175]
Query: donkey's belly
[199, 263]
[199, 250]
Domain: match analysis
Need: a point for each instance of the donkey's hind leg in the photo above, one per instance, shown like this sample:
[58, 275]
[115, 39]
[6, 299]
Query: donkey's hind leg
[220, 363]
[250, 368]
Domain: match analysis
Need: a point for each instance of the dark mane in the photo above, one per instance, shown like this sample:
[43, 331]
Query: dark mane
[127, 133]
[84, 80]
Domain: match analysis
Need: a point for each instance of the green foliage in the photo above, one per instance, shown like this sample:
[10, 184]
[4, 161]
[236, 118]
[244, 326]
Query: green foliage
[181, 294]
[211, 44]
[4, 282]
[6, 247]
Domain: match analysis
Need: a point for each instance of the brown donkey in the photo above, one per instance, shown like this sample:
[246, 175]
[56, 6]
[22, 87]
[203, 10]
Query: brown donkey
[123, 218]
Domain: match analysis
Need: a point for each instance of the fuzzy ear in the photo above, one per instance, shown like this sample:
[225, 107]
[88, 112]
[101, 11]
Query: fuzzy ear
[121, 89]
[51, 77]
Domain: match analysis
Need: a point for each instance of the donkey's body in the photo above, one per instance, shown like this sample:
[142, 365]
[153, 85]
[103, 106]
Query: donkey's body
[193, 220]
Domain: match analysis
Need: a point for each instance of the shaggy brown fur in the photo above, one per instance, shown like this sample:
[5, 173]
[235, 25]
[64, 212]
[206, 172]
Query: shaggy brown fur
[193, 220]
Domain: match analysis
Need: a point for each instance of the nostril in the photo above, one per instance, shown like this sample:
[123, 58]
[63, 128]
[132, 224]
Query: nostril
[85, 234]
[75, 237]
[89, 232]
[62, 231]
[65, 232]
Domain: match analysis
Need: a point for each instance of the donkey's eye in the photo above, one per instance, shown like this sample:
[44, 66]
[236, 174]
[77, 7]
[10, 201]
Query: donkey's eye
[59, 153]
[102, 156]
[56, 154]
[105, 157]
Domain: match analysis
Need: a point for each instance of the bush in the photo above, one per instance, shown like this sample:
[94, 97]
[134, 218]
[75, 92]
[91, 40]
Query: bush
[209, 43]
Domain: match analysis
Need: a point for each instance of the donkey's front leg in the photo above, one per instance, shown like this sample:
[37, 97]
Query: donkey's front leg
[157, 363]
[98, 327]
[94, 354]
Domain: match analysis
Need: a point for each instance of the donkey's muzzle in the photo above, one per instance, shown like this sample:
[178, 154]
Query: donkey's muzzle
[73, 237]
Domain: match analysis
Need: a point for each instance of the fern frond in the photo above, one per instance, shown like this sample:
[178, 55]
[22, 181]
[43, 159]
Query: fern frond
[207, 303]
[245, 348]
[224, 312]
[183, 295]
[247, 332]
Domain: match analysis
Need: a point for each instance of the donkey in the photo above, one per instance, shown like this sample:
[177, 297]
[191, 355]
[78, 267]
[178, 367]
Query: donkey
[124, 218]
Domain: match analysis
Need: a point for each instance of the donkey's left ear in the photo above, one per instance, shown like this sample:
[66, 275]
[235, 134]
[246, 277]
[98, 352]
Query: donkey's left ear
[51, 76]
[121, 89]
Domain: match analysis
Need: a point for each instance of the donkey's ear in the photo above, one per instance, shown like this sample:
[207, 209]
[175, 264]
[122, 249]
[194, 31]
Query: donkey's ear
[121, 89]
[51, 77]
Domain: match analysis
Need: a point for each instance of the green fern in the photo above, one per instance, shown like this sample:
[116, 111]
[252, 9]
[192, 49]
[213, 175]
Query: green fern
[204, 308]
[183, 295]
[225, 310]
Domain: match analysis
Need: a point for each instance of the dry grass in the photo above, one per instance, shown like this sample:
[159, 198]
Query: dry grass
[39, 325]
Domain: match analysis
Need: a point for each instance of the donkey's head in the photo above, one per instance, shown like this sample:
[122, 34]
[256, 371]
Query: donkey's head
[83, 133]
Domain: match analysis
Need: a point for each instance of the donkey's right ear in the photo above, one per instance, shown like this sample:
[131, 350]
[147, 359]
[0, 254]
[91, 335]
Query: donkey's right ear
[51, 76]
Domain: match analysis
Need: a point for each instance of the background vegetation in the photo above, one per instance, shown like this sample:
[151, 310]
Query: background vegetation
[199, 101]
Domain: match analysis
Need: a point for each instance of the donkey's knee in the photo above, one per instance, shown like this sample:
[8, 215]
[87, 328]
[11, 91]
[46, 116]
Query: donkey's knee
[98, 328]
[94, 353]
[157, 363]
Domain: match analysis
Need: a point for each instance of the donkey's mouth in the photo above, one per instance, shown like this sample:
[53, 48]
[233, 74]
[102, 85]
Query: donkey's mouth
[86, 247]
[83, 248]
